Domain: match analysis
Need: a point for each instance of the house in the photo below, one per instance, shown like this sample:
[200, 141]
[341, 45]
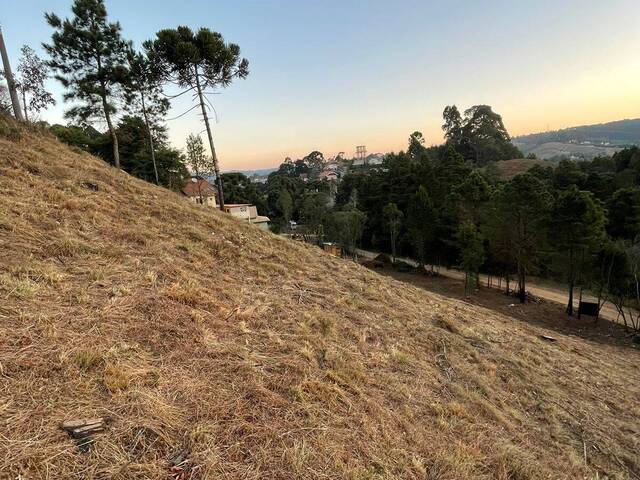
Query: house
[370, 160]
[328, 175]
[332, 165]
[247, 212]
[200, 191]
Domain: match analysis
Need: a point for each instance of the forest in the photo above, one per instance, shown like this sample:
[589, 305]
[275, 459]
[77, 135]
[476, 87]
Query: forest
[576, 222]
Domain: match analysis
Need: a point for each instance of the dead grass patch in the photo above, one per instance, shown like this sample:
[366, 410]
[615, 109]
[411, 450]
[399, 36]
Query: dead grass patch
[88, 359]
[187, 292]
[116, 378]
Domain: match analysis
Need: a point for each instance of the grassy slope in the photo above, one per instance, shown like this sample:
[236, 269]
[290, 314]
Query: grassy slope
[507, 169]
[266, 358]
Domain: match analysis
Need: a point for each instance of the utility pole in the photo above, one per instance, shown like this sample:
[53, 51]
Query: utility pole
[15, 101]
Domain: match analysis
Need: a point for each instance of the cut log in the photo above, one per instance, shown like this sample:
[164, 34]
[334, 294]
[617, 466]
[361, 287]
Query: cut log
[73, 424]
[82, 432]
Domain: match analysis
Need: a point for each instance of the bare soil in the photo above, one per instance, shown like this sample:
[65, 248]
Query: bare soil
[544, 312]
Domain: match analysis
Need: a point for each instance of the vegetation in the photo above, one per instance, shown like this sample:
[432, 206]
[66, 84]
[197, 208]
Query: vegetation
[260, 357]
[197, 62]
[143, 92]
[88, 55]
[33, 72]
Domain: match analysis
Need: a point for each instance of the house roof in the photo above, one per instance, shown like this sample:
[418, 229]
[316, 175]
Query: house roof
[198, 187]
[328, 174]
[235, 205]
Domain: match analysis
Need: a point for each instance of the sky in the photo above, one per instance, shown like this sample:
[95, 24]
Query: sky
[328, 75]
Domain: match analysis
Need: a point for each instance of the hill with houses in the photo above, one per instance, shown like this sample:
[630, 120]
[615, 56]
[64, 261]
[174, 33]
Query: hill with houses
[583, 142]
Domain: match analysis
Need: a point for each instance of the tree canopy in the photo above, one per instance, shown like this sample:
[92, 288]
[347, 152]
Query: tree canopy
[88, 54]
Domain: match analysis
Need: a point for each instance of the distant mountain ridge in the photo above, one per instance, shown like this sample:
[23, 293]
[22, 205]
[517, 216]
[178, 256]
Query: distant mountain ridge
[584, 141]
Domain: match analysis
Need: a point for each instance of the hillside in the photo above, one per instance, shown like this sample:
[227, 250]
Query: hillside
[584, 141]
[262, 358]
[507, 169]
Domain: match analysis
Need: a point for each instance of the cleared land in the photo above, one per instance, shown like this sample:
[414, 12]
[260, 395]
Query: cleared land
[552, 149]
[507, 169]
[262, 358]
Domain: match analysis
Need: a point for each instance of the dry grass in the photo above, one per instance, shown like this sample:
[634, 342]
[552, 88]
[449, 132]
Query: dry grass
[507, 169]
[264, 358]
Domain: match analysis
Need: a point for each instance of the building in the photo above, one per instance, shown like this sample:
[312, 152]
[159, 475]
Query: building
[200, 191]
[328, 175]
[247, 212]
[373, 159]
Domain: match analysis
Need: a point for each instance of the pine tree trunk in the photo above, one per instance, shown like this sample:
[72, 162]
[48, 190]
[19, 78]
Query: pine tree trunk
[393, 248]
[24, 105]
[571, 284]
[216, 168]
[112, 131]
[153, 151]
[114, 137]
[523, 288]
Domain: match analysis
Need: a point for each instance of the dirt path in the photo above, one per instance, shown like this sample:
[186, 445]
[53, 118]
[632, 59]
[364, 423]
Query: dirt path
[547, 293]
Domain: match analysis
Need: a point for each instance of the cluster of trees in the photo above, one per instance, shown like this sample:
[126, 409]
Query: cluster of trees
[577, 222]
[479, 135]
[109, 82]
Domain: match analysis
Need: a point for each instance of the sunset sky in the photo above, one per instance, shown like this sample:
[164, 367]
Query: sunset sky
[330, 75]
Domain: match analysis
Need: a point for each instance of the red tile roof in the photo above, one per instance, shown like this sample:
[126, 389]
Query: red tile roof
[197, 188]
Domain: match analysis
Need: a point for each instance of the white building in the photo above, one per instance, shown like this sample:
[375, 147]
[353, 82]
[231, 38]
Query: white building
[247, 212]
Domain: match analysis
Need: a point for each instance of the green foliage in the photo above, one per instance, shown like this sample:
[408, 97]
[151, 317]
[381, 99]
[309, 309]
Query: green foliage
[136, 155]
[197, 159]
[285, 205]
[314, 211]
[568, 174]
[202, 57]
[577, 219]
[393, 219]
[472, 254]
[624, 214]
[346, 226]
[515, 224]
[33, 72]
[238, 188]
[421, 220]
[84, 137]
[577, 222]
[471, 195]
[416, 147]
[480, 136]
[88, 54]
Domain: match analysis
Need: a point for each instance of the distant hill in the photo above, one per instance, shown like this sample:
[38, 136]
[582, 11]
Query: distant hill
[262, 172]
[586, 141]
[507, 169]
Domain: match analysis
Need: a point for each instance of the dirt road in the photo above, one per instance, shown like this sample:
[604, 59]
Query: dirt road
[547, 293]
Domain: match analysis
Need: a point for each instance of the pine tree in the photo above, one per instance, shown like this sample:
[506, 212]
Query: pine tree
[577, 222]
[197, 62]
[143, 93]
[89, 54]
[393, 219]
